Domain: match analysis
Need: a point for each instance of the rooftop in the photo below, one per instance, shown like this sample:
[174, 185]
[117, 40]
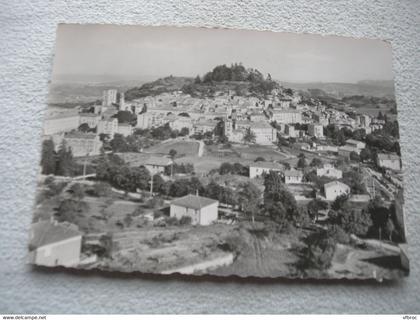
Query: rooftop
[293, 173]
[194, 202]
[352, 141]
[388, 156]
[348, 148]
[335, 184]
[47, 232]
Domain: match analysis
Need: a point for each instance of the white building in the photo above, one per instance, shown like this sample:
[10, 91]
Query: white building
[254, 117]
[286, 116]
[290, 131]
[356, 144]
[143, 121]
[90, 119]
[264, 133]
[259, 168]
[201, 210]
[284, 103]
[125, 129]
[320, 118]
[109, 97]
[329, 171]
[54, 244]
[157, 164]
[364, 120]
[335, 189]
[108, 126]
[61, 122]
[293, 176]
[181, 122]
[82, 144]
[346, 150]
[389, 161]
[316, 130]
[203, 126]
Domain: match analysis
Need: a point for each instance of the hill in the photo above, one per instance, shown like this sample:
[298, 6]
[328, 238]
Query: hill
[167, 84]
[236, 78]
[339, 90]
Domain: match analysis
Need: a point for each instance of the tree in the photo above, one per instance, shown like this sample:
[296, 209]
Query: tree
[380, 215]
[316, 162]
[225, 168]
[318, 252]
[101, 189]
[172, 154]
[158, 182]
[365, 154]
[65, 163]
[339, 202]
[119, 143]
[249, 194]
[69, 210]
[302, 162]
[353, 221]
[355, 181]
[197, 80]
[279, 203]
[125, 117]
[184, 132]
[314, 206]
[48, 161]
[258, 159]
[77, 191]
[84, 127]
[249, 136]
[140, 178]
[354, 156]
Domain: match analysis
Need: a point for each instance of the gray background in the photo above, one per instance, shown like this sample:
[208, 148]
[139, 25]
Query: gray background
[27, 31]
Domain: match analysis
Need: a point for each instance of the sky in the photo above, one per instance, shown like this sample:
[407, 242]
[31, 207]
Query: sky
[112, 53]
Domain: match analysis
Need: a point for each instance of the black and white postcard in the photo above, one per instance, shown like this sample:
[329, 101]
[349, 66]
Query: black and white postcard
[220, 152]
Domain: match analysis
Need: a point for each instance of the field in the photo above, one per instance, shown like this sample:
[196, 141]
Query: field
[170, 249]
[251, 152]
[377, 263]
[182, 147]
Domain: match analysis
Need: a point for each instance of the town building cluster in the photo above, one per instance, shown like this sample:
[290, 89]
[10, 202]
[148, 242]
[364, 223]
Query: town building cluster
[278, 115]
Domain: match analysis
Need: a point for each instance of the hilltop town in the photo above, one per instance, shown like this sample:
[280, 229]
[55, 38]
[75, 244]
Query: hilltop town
[226, 173]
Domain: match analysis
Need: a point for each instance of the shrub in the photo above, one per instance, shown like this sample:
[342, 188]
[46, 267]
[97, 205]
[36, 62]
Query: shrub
[101, 189]
[154, 203]
[172, 221]
[185, 220]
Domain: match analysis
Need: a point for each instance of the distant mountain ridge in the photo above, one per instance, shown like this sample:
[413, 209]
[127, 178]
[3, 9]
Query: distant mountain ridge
[374, 88]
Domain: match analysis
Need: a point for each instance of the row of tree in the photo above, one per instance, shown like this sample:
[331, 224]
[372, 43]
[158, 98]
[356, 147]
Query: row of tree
[60, 163]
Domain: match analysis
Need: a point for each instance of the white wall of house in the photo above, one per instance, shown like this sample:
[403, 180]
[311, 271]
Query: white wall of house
[329, 172]
[331, 193]
[393, 164]
[255, 172]
[293, 179]
[63, 253]
[204, 216]
[154, 169]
